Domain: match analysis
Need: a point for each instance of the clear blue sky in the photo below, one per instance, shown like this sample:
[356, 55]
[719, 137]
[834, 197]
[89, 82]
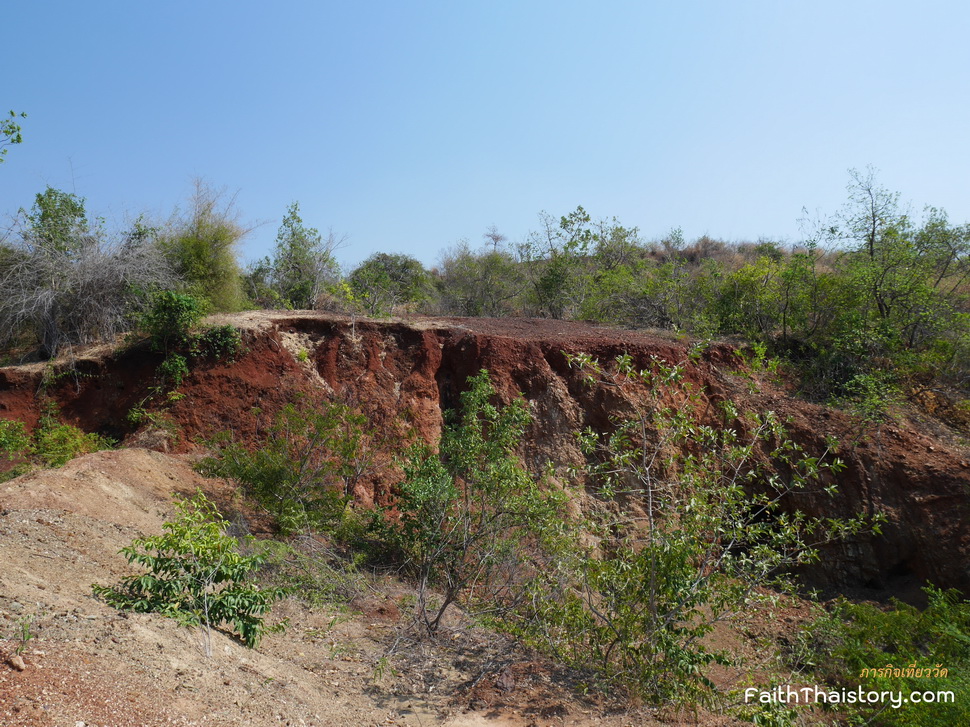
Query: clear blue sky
[410, 125]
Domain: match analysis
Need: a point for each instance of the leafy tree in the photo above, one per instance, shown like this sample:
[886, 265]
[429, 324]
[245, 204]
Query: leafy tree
[302, 263]
[10, 132]
[258, 285]
[619, 290]
[622, 295]
[201, 244]
[197, 576]
[555, 263]
[469, 513]
[58, 221]
[752, 299]
[894, 297]
[384, 281]
[687, 294]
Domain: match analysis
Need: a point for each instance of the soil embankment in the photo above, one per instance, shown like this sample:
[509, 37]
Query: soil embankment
[404, 374]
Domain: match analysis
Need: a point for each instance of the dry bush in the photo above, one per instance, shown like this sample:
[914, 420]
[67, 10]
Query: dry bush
[78, 292]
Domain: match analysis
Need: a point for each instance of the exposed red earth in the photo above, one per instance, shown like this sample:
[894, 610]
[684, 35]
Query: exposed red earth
[60, 530]
[402, 374]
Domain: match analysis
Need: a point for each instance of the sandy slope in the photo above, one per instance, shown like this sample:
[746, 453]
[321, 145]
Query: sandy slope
[60, 531]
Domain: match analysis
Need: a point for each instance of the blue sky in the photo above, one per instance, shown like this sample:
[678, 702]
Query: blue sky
[408, 126]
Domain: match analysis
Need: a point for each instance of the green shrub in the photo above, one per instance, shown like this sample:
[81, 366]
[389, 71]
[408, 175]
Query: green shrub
[197, 576]
[173, 370]
[218, 342]
[899, 649]
[305, 469]
[56, 443]
[169, 318]
[14, 440]
[871, 397]
[15, 444]
[470, 517]
[51, 444]
[694, 524]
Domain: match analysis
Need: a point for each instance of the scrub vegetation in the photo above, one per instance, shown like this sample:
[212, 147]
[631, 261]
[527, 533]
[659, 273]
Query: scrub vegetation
[869, 310]
[680, 519]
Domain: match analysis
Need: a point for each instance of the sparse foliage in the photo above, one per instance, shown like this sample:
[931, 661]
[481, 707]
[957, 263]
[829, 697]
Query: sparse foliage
[25, 635]
[196, 575]
[305, 470]
[554, 259]
[200, 245]
[893, 300]
[486, 282]
[695, 520]
[470, 514]
[10, 132]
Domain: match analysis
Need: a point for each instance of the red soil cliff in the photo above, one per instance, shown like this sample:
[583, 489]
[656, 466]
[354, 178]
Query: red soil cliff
[404, 374]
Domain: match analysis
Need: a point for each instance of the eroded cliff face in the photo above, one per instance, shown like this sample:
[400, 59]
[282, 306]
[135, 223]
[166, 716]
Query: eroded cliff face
[404, 374]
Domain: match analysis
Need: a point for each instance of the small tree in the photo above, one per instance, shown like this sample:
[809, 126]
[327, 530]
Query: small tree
[384, 281]
[486, 282]
[555, 263]
[893, 299]
[303, 262]
[695, 521]
[470, 513]
[169, 318]
[197, 576]
[201, 245]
